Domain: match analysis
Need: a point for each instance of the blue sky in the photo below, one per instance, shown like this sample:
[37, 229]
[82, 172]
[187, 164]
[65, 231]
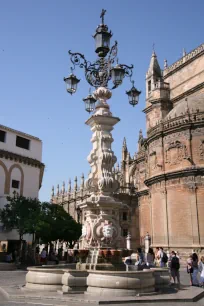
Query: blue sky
[35, 37]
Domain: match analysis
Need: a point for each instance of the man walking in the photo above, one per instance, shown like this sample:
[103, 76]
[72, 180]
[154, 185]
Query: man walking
[174, 267]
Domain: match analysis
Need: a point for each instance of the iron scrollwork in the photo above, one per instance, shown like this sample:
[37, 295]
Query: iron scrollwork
[98, 74]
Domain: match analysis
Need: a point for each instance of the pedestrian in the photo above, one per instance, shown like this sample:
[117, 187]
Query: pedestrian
[174, 267]
[195, 270]
[190, 267]
[140, 263]
[162, 257]
[150, 258]
[201, 270]
[43, 256]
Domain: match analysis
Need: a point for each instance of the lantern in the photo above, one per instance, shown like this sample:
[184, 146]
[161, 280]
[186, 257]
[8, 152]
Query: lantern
[133, 95]
[71, 83]
[89, 103]
[117, 74]
[102, 40]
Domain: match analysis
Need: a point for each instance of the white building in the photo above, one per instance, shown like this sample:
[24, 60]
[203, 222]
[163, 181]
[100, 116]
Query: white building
[21, 169]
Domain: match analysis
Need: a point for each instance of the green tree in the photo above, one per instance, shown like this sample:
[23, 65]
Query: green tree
[20, 213]
[55, 223]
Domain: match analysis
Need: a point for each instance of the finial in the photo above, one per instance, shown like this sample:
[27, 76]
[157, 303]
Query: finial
[102, 15]
[53, 191]
[117, 167]
[57, 189]
[153, 49]
[124, 144]
[184, 52]
[69, 186]
[165, 64]
[140, 134]
[75, 184]
[82, 181]
[63, 187]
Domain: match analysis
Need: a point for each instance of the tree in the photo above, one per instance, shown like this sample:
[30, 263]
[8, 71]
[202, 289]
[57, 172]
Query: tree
[55, 223]
[20, 213]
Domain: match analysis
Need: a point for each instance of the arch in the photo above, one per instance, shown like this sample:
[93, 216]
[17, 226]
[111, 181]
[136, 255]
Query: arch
[22, 177]
[7, 182]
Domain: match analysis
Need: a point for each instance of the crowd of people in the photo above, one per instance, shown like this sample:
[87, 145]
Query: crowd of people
[159, 258]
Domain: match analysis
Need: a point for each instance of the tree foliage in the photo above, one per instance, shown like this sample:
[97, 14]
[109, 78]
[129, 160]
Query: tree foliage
[46, 221]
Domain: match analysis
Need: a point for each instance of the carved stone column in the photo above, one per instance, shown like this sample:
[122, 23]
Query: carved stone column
[101, 211]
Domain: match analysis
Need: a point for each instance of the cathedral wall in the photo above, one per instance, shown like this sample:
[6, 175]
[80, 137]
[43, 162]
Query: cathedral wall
[179, 214]
[177, 151]
[155, 157]
[200, 203]
[198, 146]
[145, 216]
[186, 78]
[159, 216]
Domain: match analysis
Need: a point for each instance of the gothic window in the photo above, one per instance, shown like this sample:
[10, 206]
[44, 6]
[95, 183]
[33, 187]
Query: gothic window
[149, 86]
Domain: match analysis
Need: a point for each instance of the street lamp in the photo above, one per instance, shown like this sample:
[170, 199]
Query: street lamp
[89, 103]
[71, 82]
[133, 95]
[105, 68]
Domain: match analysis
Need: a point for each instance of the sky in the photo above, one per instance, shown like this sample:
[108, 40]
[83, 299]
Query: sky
[35, 37]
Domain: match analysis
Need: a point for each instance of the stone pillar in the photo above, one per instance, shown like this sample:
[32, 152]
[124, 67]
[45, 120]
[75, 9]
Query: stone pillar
[128, 241]
[147, 242]
[101, 211]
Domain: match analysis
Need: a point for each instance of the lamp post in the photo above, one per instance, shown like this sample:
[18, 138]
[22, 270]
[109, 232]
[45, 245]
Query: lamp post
[101, 210]
[105, 69]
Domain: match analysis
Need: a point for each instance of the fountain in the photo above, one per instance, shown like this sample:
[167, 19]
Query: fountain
[101, 270]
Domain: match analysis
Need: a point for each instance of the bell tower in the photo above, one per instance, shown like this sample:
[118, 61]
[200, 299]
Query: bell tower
[157, 94]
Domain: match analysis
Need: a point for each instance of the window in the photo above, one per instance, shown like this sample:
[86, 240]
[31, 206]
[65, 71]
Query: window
[22, 142]
[15, 184]
[2, 136]
[125, 232]
[124, 216]
[149, 85]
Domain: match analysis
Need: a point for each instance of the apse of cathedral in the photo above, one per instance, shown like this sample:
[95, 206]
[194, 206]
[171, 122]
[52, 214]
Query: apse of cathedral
[162, 184]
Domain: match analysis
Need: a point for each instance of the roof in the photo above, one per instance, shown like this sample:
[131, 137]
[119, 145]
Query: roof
[3, 127]
[193, 103]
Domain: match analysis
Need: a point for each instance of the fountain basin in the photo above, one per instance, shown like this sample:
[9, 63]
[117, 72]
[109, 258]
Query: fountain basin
[120, 283]
[162, 277]
[48, 278]
[74, 281]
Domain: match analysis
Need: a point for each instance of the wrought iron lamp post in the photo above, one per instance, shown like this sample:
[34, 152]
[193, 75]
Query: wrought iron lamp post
[100, 209]
[104, 69]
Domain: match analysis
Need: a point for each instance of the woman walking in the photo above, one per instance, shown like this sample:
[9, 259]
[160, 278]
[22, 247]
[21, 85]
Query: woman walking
[201, 270]
[195, 270]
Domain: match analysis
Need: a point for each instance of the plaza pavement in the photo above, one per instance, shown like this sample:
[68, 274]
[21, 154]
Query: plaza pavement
[11, 294]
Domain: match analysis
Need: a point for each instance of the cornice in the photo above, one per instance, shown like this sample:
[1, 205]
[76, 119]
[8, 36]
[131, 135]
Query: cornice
[185, 60]
[175, 174]
[21, 159]
[3, 127]
[142, 192]
[187, 93]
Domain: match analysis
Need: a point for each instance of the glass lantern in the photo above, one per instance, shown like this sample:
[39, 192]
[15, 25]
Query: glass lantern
[133, 95]
[71, 83]
[102, 40]
[117, 74]
[89, 103]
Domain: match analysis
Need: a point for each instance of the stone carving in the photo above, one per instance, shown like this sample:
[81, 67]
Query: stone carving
[184, 59]
[101, 158]
[201, 150]
[175, 152]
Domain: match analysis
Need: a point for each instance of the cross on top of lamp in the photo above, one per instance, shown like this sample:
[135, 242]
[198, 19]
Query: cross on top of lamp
[104, 69]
